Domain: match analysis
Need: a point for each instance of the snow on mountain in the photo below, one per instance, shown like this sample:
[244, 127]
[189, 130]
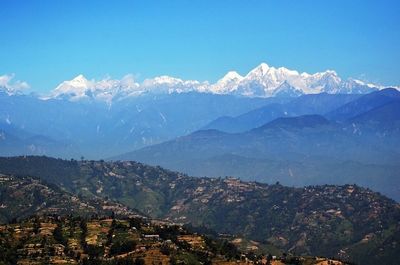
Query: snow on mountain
[287, 90]
[168, 84]
[354, 86]
[74, 89]
[262, 81]
[11, 87]
[266, 81]
[105, 90]
[227, 84]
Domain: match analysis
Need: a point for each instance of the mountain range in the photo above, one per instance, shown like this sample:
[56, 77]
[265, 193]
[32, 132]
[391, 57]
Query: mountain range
[100, 119]
[356, 142]
[61, 128]
[272, 124]
[262, 81]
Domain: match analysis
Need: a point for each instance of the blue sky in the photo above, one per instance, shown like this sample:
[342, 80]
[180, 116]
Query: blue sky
[46, 42]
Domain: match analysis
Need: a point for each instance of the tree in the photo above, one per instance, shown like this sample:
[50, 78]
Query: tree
[139, 261]
[124, 247]
[58, 235]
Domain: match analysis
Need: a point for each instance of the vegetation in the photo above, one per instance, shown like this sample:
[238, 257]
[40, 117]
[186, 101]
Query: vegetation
[75, 240]
[21, 197]
[346, 222]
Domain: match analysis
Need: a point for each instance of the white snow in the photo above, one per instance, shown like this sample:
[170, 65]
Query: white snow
[106, 89]
[11, 87]
[262, 81]
[226, 84]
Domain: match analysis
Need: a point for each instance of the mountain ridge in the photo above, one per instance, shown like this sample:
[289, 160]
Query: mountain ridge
[344, 221]
[262, 81]
[294, 150]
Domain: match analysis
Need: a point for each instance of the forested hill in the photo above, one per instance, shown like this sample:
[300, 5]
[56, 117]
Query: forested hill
[345, 221]
[21, 197]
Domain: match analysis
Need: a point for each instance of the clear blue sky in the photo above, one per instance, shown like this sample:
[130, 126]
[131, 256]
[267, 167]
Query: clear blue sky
[45, 42]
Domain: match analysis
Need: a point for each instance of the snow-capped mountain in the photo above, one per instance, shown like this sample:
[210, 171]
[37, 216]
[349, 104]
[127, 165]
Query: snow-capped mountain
[107, 89]
[10, 87]
[266, 81]
[168, 84]
[227, 84]
[287, 90]
[262, 81]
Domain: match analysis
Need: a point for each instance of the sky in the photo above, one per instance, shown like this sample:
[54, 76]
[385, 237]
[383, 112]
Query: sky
[46, 42]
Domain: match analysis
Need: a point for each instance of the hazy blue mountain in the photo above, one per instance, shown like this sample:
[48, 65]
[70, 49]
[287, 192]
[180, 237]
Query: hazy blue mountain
[298, 122]
[99, 129]
[15, 141]
[301, 150]
[364, 103]
[303, 105]
[248, 120]
[96, 129]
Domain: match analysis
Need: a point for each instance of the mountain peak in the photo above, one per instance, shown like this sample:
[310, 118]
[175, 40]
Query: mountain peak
[79, 78]
[262, 69]
[74, 89]
[232, 75]
[331, 72]
[262, 81]
[7, 85]
[263, 66]
[80, 81]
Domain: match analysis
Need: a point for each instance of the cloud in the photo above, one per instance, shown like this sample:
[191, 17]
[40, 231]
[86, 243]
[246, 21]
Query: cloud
[7, 83]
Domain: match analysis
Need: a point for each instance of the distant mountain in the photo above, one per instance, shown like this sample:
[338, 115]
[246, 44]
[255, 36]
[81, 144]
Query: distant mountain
[16, 141]
[364, 104]
[8, 86]
[303, 105]
[99, 119]
[302, 150]
[382, 116]
[96, 129]
[262, 81]
[347, 222]
[300, 122]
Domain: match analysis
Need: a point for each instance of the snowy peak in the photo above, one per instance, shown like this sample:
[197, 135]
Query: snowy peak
[79, 79]
[10, 86]
[168, 84]
[162, 80]
[264, 71]
[226, 84]
[260, 70]
[266, 81]
[74, 89]
[262, 81]
[80, 88]
[232, 75]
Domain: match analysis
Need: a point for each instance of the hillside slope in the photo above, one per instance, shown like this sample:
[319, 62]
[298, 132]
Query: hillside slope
[302, 150]
[343, 221]
[21, 197]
